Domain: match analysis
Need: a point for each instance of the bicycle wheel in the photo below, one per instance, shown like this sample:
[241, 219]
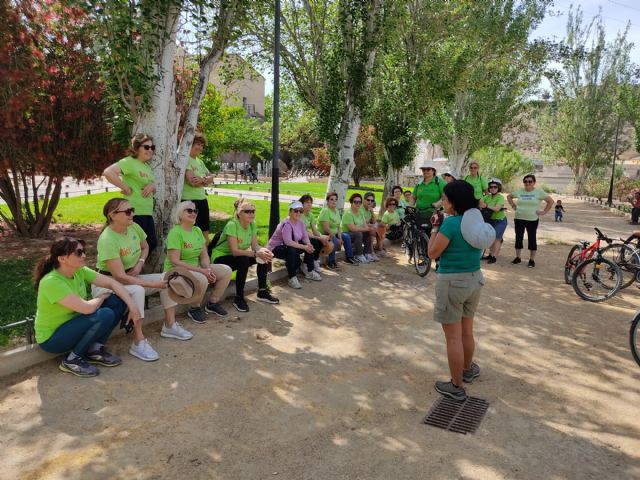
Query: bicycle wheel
[570, 264]
[633, 241]
[408, 241]
[421, 261]
[596, 279]
[626, 258]
[634, 337]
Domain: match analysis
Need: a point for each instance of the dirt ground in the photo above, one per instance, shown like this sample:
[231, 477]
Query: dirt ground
[333, 384]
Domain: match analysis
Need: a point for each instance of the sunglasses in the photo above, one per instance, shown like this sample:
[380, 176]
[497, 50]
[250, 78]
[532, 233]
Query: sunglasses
[249, 212]
[357, 202]
[78, 252]
[297, 210]
[191, 211]
[527, 181]
[492, 186]
[149, 147]
[128, 212]
[473, 168]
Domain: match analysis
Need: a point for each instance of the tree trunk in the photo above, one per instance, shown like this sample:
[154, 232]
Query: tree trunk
[458, 154]
[391, 179]
[342, 169]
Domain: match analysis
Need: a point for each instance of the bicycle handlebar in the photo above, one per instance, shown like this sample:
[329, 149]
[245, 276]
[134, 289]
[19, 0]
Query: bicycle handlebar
[602, 236]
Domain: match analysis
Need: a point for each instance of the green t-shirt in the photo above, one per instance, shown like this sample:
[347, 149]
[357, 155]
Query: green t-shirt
[234, 229]
[479, 184]
[493, 201]
[391, 218]
[308, 220]
[331, 216]
[189, 192]
[125, 246]
[528, 203]
[367, 214]
[429, 193]
[137, 175]
[348, 218]
[459, 256]
[189, 243]
[54, 287]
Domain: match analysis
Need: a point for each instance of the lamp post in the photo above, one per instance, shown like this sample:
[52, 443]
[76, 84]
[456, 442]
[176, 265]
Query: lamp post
[274, 217]
[613, 167]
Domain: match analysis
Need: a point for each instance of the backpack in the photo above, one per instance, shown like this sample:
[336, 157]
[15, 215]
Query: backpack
[213, 243]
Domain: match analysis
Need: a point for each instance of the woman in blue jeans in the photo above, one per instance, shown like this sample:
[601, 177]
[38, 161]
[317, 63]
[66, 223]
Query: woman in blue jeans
[329, 223]
[67, 319]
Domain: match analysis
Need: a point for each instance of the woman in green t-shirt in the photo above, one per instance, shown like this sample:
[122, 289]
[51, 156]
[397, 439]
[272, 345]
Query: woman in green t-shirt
[238, 248]
[318, 240]
[527, 216]
[122, 251]
[459, 282]
[390, 219]
[354, 224]
[187, 248]
[196, 178]
[329, 223]
[495, 201]
[67, 320]
[134, 176]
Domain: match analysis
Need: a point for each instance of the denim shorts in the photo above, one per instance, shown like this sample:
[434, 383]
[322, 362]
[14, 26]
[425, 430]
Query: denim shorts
[499, 226]
[457, 296]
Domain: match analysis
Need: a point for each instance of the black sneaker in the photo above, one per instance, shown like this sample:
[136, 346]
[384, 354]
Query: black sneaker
[516, 261]
[448, 389]
[216, 308]
[351, 261]
[473, 372]
[492, 259]
[531, 264]
[104, 358]
[485, 257]
[241, 304]
[78, 367]
[197, 315]
[266, 297]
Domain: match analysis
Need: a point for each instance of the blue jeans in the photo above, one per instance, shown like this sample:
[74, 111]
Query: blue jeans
[291, 256]
[346, 240]
[82, 331]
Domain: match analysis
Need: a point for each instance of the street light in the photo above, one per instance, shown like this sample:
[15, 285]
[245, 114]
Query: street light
[613, 168]
[274, 217]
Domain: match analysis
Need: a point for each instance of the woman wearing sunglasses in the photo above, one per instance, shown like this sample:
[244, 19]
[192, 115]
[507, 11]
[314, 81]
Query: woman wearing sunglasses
[187, 248]
[289, 241]
[238, 248]
[370, 221]
[67, 320]
[390, 219]
[318, 240]
[122, 251]
[354, 224]
[329, 223]
[134, 176]
[527, 216]
[495, 202]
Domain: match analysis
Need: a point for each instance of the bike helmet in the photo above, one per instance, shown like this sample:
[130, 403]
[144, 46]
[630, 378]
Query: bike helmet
[495, 181]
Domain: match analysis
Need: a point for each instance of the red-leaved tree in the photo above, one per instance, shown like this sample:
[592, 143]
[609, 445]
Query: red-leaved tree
[52, 121]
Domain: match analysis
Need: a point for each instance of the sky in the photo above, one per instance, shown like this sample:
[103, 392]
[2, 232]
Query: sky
[615, 13]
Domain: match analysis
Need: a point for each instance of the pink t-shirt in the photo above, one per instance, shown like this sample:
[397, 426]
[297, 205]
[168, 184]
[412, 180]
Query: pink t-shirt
[288, 233]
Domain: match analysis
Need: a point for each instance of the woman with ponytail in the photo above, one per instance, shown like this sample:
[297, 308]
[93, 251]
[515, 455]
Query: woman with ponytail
[67, 319]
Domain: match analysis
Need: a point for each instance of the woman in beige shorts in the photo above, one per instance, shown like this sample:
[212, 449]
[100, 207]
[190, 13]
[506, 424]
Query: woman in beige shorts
[458, 285]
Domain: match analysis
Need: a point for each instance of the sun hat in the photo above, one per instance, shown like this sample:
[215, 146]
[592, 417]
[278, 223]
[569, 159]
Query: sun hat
[183, 287]
[327, 249]
[426, 165]
[451, 173]
[475, 231]
[295, 204]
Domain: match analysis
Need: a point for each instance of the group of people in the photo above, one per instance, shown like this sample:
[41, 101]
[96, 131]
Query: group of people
[71, 320]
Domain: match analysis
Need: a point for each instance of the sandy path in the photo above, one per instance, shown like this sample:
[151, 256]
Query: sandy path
[338, 388]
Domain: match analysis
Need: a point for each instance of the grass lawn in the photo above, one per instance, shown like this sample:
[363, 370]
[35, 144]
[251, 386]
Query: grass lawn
[316, 189]
[17, 296]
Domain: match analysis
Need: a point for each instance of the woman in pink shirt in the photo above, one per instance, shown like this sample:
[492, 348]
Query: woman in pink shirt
[289, 241]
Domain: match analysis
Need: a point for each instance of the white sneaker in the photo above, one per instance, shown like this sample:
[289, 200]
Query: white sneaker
[294, 283]
[144, 351]
[370, 258]
[304, 268]
[375, 257]
[362, 259]
[316, 266]
[381, 253]
[176, 331]
[315, 276]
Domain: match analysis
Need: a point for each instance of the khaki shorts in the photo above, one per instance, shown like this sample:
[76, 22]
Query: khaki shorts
[457, 296]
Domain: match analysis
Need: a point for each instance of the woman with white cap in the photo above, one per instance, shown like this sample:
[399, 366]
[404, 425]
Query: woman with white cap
[449, 176]
[495, 201]
[289, 241]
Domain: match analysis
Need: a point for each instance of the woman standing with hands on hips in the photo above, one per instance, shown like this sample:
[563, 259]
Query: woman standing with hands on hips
[527, 216]
[134, 176]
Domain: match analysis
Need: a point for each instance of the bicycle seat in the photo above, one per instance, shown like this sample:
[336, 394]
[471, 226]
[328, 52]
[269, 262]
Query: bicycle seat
[410, 210]
[602, 236]
[584, 243]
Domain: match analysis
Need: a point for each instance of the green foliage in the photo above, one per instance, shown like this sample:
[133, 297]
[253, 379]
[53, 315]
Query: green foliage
[579, 126]
[503, 163]
[367, 154]
[17, 296]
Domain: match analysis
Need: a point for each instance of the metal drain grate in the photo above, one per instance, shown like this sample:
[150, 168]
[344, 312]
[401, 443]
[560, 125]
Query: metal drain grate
[461, 417]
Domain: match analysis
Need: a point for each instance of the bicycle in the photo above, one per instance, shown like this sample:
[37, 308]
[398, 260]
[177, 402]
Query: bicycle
[416, 242]
[634, 337]
[593, 277]
[622, 254]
